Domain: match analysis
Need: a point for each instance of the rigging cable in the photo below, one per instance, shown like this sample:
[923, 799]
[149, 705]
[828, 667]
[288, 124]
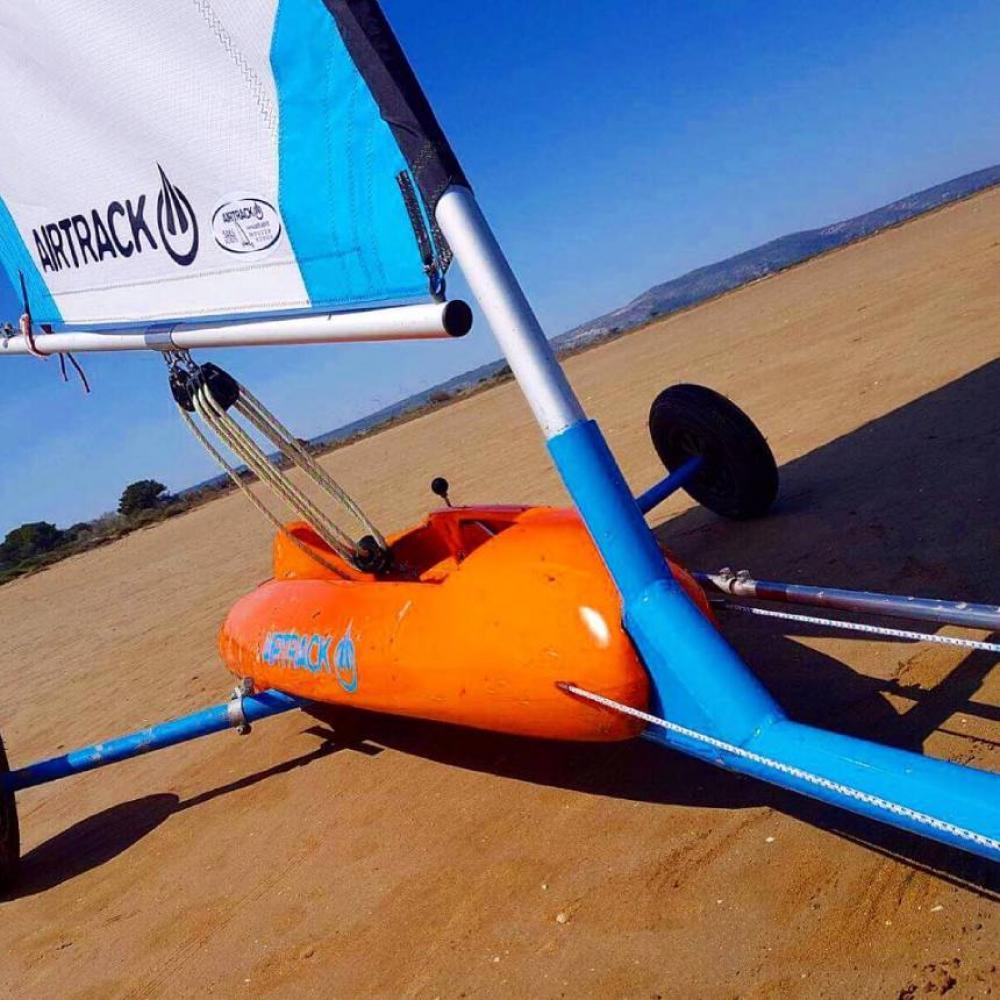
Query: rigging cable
[856, 794]
[209, 392]
[894, 633]
[28, 333]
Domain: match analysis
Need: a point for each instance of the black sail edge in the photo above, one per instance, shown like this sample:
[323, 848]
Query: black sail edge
[404, 107]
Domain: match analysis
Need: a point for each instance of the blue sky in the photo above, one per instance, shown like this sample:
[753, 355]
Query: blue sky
[612, 148]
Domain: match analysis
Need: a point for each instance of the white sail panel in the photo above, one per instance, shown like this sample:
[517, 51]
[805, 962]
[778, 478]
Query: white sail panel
[212, 158]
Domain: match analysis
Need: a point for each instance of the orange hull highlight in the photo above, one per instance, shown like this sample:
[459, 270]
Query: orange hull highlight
[485, 612]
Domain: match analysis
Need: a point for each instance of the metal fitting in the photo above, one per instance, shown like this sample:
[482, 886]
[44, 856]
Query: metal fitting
[237, 717]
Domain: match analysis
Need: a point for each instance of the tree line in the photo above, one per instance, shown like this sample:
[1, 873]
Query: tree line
[37, 543]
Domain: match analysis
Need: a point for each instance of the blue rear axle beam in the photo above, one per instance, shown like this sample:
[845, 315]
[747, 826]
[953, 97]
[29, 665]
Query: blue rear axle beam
[247, 709]
[677, 480]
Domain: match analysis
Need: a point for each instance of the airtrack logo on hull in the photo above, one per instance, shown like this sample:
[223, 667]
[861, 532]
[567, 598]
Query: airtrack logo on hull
[121, 230]
[314, 653]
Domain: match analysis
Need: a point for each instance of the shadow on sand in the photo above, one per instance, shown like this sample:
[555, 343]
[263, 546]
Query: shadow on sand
[907, 503]
[100, 838]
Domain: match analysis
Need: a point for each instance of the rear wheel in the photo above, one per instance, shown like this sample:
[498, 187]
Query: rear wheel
[738, 477]
[10, 836]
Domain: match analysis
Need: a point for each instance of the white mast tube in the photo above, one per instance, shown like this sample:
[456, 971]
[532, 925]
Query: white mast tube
[508, 312]
[429, 321]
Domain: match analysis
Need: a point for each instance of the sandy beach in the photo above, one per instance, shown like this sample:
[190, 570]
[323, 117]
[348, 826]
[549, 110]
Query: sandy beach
[362, 856]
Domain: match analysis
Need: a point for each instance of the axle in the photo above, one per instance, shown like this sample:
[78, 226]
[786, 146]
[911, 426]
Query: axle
[237, 714]
[984, 616]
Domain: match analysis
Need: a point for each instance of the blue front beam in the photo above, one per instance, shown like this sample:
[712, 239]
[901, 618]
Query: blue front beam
[677, 480]
[165, 734]
[699, 682]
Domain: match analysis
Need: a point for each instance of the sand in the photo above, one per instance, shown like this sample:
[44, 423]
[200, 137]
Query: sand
[360, 856]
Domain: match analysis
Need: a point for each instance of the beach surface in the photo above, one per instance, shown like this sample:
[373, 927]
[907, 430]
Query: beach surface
[363, 856]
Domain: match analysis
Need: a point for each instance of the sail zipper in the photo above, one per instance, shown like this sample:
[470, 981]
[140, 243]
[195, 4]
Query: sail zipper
[435, 254]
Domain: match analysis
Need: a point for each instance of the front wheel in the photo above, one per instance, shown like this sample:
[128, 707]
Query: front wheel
[738, 477]
[10, 834]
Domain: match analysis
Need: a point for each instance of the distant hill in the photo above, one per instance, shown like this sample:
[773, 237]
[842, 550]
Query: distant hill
[706, 282]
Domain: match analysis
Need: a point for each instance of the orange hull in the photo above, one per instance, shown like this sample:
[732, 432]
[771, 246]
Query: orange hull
[485, 612]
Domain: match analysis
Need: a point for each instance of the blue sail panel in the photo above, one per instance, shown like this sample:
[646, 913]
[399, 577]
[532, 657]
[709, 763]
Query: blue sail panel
[341, 194]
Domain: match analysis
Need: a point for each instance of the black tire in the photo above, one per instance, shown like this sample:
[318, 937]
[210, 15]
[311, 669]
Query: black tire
[739, 477]
[10, 834]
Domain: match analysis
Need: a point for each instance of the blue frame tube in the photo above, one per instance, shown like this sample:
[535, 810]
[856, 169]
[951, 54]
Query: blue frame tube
[699, 682]
[677, 480]
[158, 737]
[952, 803]
[695, 672]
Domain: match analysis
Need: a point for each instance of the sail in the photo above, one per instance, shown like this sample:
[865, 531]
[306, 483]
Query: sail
[213, 159]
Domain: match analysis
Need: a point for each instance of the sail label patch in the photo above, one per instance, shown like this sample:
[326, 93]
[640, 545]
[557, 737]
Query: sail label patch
[245, 224]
